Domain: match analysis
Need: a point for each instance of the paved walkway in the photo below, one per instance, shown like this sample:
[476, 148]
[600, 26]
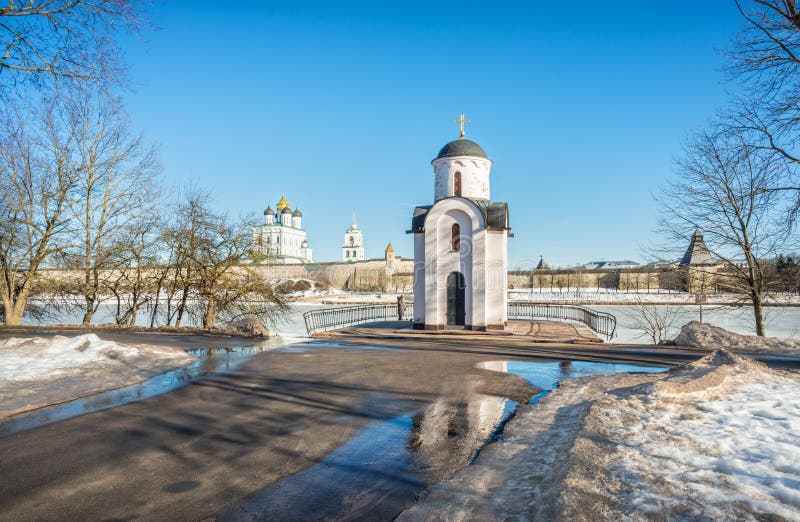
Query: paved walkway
[536, 331]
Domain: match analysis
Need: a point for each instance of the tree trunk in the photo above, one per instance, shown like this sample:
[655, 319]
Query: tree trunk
[11, 317]
[758, 312]
[14, 311]
[155, 305]
[210, 315]
[87, 315]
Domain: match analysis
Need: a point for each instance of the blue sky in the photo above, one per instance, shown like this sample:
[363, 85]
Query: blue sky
[582, 106]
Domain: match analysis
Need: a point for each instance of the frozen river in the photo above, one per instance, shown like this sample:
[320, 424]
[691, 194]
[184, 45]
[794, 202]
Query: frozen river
[780, 321]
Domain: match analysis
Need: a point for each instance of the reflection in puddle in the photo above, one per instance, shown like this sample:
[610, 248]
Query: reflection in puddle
[547, 375]
[449, 434]
[209, 361]
[366, 478]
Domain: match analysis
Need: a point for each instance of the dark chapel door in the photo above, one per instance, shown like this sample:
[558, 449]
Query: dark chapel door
[456, 297]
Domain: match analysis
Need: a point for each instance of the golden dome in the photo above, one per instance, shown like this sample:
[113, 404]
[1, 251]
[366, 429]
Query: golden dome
[282, 204]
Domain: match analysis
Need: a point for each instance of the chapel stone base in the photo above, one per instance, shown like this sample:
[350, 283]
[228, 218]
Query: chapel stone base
[425, 326]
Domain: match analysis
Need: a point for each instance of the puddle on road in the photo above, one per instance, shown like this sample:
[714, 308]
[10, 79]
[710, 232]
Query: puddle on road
[381, 470]
[369, 477]
[547, 375]
[209, 361]
[316, 345]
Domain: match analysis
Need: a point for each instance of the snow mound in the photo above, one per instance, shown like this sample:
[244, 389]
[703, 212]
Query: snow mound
[711, 371]
[712, 440]
[33, 358]
[247, 327]
[37, 371]
[706, 336]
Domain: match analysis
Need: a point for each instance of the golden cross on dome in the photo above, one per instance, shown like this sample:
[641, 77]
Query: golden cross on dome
[461, 121]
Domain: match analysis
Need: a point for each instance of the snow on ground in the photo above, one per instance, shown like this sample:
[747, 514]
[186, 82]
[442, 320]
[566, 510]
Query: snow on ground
[700, 335]
[38, 371]
[715, 440]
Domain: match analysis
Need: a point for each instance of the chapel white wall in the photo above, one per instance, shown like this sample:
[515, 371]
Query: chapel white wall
[474, 177]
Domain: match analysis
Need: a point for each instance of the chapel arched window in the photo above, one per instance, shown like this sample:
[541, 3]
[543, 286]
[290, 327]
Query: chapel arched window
[457, 184]
[455, 237]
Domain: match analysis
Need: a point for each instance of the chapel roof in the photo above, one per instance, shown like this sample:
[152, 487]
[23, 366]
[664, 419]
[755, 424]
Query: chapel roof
[495, 215]
[462, 147]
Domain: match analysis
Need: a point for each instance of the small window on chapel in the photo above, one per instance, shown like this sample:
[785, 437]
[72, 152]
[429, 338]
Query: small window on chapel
[457, 184]
[455, 238]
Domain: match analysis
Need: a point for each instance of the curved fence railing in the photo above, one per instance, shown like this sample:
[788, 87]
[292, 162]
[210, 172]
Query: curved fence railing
[600, 322]
[343, 316]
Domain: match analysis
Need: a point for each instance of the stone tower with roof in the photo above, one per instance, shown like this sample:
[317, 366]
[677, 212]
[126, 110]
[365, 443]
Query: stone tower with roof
[699, 269]
[353, 248]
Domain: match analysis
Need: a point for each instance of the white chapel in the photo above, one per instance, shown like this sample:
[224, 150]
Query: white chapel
[461, 244]
[281, 238]
[353, 248]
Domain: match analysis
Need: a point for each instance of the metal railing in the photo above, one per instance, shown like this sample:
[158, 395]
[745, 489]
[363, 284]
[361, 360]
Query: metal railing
[600, 322]
[342, 316]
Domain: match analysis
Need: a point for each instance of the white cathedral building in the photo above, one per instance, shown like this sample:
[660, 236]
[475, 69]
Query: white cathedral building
[353, 248]
[282, 238]
[461, 244]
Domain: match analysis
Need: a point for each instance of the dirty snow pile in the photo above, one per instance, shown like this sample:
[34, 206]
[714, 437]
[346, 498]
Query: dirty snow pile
[716, 439]
[246, 326]
[700, 335]
[38, 371]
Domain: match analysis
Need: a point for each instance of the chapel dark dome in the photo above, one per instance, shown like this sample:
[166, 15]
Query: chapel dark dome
[297, 213]
[461, 147]
[269, 212]
[286, 211]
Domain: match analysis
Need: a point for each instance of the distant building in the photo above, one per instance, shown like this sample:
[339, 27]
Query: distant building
[611, 265]
[699, 268]
[697, 253]
[353, 248]
[282, 238]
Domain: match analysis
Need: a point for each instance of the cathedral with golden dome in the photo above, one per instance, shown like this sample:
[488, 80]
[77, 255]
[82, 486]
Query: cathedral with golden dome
[282, 238]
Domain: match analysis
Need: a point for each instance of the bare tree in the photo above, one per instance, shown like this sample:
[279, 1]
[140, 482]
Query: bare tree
[193, 217]
[210, 276]
[653, 321]
[117, 175]
[136, 272]
[37, 178]
[765, 60]
[65, 39]
[724, 187]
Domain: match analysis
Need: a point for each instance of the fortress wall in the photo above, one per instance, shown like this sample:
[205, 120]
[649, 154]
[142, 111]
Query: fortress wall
[360, 276]
[376, 275]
